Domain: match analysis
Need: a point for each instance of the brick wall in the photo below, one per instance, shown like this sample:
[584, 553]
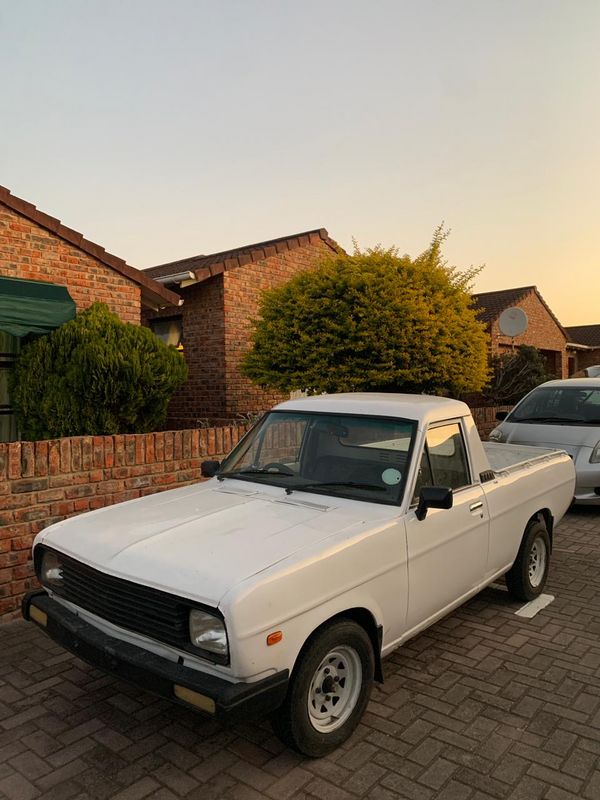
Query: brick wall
[243, 289]
[216, 330]
[44, 482]
[542, 332]
[485, 419]
[203, 331]
[587, 358]
[30, 251]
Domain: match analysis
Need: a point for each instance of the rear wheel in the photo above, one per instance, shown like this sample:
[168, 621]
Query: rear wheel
[527, 577]
[329, 689]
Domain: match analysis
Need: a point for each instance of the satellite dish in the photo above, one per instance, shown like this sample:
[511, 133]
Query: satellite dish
[513, 322]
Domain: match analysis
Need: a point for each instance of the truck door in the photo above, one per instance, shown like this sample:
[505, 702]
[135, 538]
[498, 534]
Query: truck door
[447, 551]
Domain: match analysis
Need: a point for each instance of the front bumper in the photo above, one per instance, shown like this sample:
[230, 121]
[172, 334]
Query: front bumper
[212, 696]
[586, 497]
[587, 486]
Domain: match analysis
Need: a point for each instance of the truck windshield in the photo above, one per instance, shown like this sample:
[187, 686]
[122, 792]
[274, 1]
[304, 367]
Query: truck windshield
[365, 458]
[559, 405]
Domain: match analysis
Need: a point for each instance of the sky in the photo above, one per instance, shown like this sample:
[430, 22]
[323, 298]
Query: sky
[162, 129]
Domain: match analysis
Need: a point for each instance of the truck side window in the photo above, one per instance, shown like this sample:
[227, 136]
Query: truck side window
[447, 456]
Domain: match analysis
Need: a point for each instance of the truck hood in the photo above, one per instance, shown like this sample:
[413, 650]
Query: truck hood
[561, 437]
[200, 541]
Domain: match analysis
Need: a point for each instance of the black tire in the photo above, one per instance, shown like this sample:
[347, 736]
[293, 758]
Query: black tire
[292, 721]
[518, 581]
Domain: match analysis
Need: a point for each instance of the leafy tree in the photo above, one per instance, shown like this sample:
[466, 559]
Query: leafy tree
[94, 375]
[371, 321]
[516, 374]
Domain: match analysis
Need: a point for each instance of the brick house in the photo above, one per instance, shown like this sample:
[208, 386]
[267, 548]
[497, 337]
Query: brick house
[222, 292]
[49, 271]
[564, 354]
[587, 337]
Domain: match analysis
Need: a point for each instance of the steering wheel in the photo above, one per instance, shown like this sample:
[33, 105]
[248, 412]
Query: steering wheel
[283, 468]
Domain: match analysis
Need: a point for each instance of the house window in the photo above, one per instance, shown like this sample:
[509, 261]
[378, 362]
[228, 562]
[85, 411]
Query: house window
[9, 349]
[168, 330]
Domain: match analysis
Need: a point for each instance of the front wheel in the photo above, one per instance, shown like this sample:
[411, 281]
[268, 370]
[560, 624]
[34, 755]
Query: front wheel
[527, 577]
[329, 689]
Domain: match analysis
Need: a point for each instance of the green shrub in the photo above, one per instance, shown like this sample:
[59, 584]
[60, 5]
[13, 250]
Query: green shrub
[371, 321]
[92, 376]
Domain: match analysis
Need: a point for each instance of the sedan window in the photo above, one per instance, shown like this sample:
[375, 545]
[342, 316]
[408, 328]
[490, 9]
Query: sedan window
[574, 405]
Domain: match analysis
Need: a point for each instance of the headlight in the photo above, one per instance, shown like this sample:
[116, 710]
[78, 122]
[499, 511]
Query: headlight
[595, 457]
[495, 435]
[208, 632]
[51, 569]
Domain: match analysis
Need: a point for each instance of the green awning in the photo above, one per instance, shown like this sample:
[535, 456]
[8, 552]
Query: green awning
[33, 306]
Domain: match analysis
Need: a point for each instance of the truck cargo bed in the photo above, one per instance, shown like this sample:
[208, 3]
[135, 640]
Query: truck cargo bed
[510, 456]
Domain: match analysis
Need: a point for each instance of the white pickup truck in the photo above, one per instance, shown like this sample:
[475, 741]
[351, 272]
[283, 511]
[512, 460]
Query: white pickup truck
[339, 527]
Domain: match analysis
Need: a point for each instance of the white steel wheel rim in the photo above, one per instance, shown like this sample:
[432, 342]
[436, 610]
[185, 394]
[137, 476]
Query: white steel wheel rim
[335, 689]
[537, 562]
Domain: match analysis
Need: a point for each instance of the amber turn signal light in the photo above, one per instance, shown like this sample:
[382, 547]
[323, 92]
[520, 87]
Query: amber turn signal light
[274, 638]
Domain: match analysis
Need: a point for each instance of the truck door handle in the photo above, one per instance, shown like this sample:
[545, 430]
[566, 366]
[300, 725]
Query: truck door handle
[475, 506]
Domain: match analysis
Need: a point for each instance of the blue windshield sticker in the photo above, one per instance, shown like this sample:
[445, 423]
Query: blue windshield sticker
[391, 477]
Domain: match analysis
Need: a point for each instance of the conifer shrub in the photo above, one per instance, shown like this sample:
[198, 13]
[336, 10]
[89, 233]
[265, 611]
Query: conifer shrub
[94, 375]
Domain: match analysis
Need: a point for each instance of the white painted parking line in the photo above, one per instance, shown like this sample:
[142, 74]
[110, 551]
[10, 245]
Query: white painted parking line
[531, 609]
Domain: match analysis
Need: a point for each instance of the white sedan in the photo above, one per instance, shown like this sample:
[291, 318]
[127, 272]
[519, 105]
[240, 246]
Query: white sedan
[563, 415]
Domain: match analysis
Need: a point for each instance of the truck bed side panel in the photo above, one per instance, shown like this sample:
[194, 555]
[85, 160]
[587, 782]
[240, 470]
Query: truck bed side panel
[516, 494]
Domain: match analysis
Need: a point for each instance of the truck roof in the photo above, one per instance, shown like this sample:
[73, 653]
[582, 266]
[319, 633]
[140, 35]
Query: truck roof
[421, 407]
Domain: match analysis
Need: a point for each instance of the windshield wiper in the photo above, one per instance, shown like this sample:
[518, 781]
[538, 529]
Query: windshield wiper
[560, 420]
[236, 473]
[373, 486]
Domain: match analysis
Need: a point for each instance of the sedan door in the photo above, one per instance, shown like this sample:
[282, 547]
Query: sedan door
[448, 550]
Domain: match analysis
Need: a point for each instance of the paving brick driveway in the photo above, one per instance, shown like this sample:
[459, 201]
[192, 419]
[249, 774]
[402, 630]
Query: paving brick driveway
[483, 705]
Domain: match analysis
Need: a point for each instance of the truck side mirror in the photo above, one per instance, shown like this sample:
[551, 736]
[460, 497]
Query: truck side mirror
[209, 468]
[501, 415]
[433, 497]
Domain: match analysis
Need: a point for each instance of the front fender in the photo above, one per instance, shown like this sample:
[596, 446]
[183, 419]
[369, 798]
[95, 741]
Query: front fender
[367, 570]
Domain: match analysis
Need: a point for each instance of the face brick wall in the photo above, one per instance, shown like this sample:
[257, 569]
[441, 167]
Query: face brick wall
[587, 358]
[44, 482]
[30, 251]
[542, 332]
[203, 332]
[485, 419]
[215, 328]
[243, 290]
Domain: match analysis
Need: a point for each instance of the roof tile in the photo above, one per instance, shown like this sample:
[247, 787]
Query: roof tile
[241, 256]
[490, 305]
[151, 290]
[585, 334]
